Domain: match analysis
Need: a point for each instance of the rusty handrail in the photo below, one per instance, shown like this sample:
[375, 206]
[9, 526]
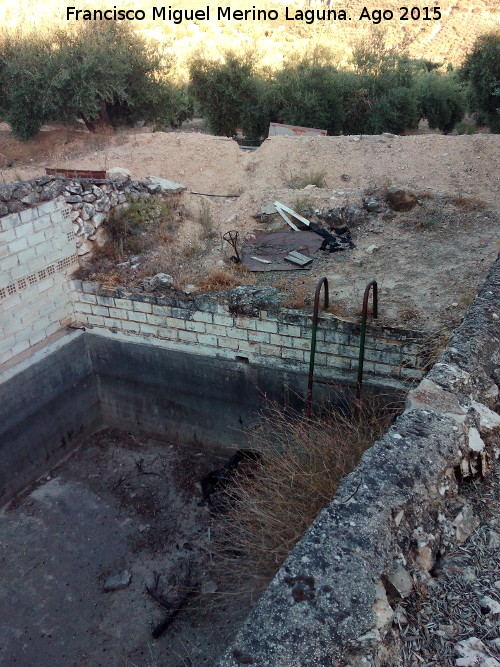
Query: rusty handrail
[364, 316]
[321, 282]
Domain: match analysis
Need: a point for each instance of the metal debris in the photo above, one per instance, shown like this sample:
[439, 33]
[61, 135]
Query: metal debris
[298, 258]
[271, 250]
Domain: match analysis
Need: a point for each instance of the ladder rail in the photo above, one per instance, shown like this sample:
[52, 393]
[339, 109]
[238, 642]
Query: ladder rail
[322, 282]
[364, 316]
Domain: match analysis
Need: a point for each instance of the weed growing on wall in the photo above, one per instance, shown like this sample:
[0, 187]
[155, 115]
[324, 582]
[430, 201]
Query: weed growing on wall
[138, 224]
[268, 508]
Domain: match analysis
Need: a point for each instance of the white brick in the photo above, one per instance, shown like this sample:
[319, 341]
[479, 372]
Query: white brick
[36, 238]
[159, 310]
[148, 329]
[28, 214]
[45, 284]
[300, 343]
[123, 303]
[206, 339]
[194, 326]
[207, 318]
[188, 336]
[100, 310]
[99, 321]
[244, 323]
[241, 334]
[229, 343]
[57, 219]
[10, 302]
[7, 236]
[137, 317]
[8, 263]
[143, 307]
[249, 348]
[289, 330]
[23, 334]
[287, 353]
[268, 327]
[105, 300]
[47, 207]
[224, 320]
[259, 336]
[175, 322]
[18, 348]
[216, 329]
[169, 334]
[10, 221]
[42, 223]
[24, 230]
[87, 298]
[120, 314]
[270, 350]
[131, 326]
[111, 323]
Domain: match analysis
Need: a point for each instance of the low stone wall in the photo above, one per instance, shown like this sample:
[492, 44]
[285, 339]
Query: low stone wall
[90, 199]
[332, 601]
[37, 254]
[236, 326]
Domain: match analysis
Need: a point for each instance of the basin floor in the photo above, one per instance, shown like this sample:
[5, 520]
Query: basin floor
[120, 504]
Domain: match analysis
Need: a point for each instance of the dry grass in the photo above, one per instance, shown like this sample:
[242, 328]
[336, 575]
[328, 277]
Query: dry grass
[467, 203]
[316, 178]
[217, 280]
[269, 507]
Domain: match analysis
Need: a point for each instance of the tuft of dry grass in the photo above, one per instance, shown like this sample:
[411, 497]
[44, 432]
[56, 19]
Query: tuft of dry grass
[269, 507]
[316, 178]
[467, 203]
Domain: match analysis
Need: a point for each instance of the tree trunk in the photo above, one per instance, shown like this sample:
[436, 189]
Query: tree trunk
[102, 122]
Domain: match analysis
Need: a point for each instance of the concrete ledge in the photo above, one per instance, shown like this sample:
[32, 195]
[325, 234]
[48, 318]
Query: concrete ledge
[329, 604]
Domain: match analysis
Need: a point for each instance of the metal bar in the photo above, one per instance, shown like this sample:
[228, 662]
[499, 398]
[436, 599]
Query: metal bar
[206, 194]
[322, 281]
[364, 316]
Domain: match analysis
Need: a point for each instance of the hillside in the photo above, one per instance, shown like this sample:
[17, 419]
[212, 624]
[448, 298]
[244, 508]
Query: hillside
[445, 40]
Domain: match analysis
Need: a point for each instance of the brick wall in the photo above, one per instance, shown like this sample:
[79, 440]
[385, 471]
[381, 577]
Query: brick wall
[37, 253]
[280, 339]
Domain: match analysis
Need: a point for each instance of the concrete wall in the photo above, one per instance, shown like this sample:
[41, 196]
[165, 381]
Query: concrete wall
[47, 408]
[333, 600]
[37, 253]
[282, 339]
[197, 400]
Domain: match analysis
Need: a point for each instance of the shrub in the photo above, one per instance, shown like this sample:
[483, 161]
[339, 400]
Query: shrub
[104, 74]
[223, 90]
[442, 100]
[302, 462]
[308, 93]
[126, 225]
[481, 70]
[28, 68]
[260, 111]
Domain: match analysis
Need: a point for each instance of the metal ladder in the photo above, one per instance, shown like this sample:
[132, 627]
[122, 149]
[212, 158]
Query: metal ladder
[364, 316]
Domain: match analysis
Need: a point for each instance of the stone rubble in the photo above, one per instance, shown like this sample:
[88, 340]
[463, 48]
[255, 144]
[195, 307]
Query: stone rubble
[90, 200]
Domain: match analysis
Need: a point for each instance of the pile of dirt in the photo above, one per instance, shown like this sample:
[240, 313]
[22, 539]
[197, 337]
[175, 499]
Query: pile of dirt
[429, 261]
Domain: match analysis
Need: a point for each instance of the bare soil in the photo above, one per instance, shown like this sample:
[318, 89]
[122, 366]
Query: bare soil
[429, 262]
[121, 503]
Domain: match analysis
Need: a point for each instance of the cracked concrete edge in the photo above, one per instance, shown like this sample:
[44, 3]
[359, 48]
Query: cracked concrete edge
[390, 517]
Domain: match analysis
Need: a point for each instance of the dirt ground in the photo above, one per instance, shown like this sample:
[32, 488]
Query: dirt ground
[120, 504]
[429, 262]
